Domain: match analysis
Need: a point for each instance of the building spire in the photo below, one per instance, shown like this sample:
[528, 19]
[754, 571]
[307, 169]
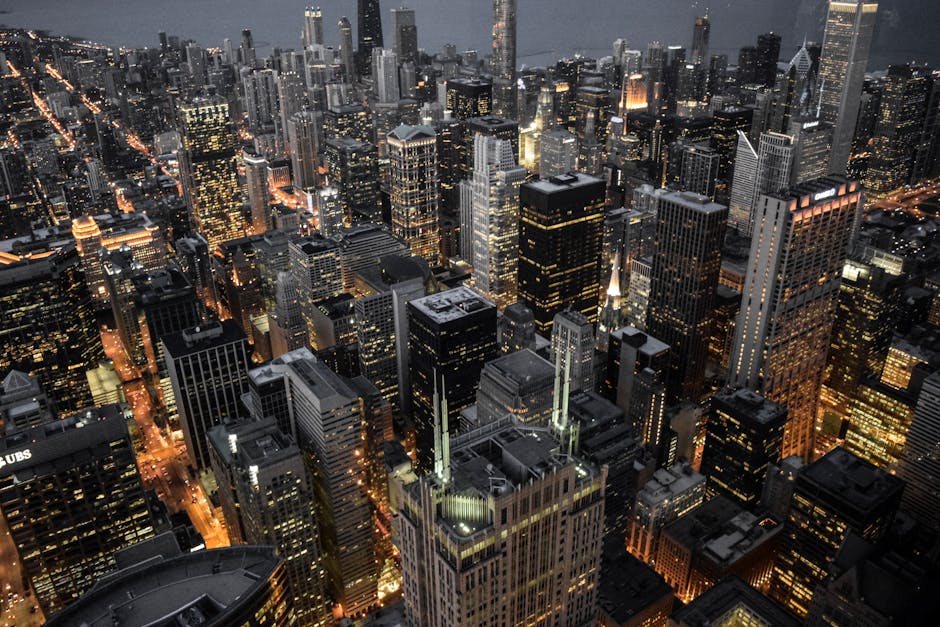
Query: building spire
[441, 433]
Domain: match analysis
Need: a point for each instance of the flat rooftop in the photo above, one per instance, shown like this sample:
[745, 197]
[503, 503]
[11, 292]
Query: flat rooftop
[851, 479]
[750, 406]
[452, 305]
[200, 588]
[521, 367]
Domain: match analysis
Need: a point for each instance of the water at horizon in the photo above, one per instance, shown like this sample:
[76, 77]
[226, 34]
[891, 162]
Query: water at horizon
[548, 29]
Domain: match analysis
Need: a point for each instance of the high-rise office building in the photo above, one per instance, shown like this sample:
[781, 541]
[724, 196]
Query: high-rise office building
[850, 26]
[832, 497]
[303, 130]
[48, 327]
[209, 169]
[768, 53]
[573, 348]
[560, 243]
[208, 368]
[266, 491]
[918, 465]
[901, 120]
[354, 169]
[259, 197]
[480, 490]
[451, 335]
[260, 99]
[382, 323]
[812, 143]
[791, 286]
[492, 219]
[325, 416]
[862, 330]
[71, 495]
[330, 211]
[405, 34]
[313, 27]
[756, 172]
[369, 25]
[701, 32]
[385, 75]
[469, 97]
[690, 230]
[744, 437]
[346, 53]
[315, 266]
[503, 61]
[414, 182]
[558, 153]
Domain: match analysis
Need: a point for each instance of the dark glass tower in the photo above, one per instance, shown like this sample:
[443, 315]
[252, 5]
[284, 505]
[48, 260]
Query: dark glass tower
[370, 33]
[451, 335]
[560, 242]
[71, 495]
[745, 436]
[835, 495]
[686, 263]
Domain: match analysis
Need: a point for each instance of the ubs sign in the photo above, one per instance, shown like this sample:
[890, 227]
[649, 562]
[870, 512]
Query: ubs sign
[15, 457]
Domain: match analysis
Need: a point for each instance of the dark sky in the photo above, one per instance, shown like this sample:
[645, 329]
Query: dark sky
[907, 29]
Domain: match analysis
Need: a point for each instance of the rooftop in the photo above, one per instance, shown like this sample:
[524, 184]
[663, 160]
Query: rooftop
[750, 406]
[451, 305]
[521, 367]
[572, 180]
[732, 602]
[853, 480]
[201, 588]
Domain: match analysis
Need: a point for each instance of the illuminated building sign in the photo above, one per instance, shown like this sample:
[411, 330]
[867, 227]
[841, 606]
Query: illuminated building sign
[14, 458]
[829, 193]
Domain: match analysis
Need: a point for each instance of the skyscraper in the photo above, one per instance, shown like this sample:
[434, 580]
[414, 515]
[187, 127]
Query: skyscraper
[756, 172]
[259, 198]
[354, 169]
[791, 285]
[266, 492]
[690, 230]
[324, 414]
[700, 35]
[48, 325]
[919, 465]
[492, 218]
[560, 243]
[503, 61]
[303, 138]
[573, 349]
[903, 101]
[480, 490]
[832, 497]
[850, 26]
[559, 153]
[313, 27]
[369, 24]
[385, 75]
[405, 34]
[209, 169]
[346, 52]
[414, 181]
[208, 367]
[72, 495]
[744, 437]
[451, 335]
[469, 97]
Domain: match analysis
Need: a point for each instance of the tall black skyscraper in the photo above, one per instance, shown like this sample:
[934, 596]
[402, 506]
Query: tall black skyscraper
[686, 263]
[451, 335]
[370, 33]
[71, 495]
[560, 241]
